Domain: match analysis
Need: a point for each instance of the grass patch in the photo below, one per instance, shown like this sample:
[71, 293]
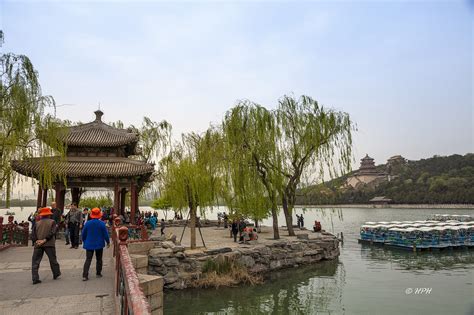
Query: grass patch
[224, 271]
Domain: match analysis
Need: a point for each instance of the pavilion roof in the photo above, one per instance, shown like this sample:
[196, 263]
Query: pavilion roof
[99, 134]
[84, 166]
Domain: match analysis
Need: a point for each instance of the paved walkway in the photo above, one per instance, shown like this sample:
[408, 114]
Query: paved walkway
[66, 295]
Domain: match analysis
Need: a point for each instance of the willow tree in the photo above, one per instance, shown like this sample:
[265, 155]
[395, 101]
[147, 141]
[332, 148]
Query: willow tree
[26, 129]
[188, 176]
[311, 137]
[250, 132]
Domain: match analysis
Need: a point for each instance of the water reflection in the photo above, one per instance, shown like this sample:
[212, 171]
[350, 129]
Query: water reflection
[308, 290]
[406, 260]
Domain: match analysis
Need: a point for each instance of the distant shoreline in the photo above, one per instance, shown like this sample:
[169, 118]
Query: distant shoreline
[402, 206]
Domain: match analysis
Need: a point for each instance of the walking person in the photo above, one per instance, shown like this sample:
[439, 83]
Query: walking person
[66, 228]
[163, 226]
[43, 237]
[74, 217]
[235, 229]
[94, 238]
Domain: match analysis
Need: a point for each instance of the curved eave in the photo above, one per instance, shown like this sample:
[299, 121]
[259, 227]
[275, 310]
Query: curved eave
[84, 167]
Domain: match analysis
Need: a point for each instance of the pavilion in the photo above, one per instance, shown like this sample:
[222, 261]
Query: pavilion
[97, 155]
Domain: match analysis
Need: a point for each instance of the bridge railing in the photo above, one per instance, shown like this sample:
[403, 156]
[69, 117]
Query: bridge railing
[131, 299]
[13, 234]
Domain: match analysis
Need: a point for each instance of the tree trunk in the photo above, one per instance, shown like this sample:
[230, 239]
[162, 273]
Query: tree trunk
[8, 192]
[276, 232]
[288, 215]
[193, 227]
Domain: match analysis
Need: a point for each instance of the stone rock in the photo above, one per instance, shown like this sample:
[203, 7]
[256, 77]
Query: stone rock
[313, 252]
[296, 246]
[171, 277]
[155, 261]
[160, 270]
[275, 264]
[247, 261]
[304, 236]
[157, 238]
[258, 268]
[160, 252]
[171, 261]
[218, 251]
[278, 244]
[172, 238]
[178, 248]
[168, 244]
[178, 285]
[180, 255]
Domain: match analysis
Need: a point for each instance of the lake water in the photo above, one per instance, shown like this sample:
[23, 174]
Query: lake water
[365, 279]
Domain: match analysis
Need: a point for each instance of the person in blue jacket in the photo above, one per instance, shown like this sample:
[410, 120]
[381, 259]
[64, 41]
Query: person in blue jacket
[94, 237]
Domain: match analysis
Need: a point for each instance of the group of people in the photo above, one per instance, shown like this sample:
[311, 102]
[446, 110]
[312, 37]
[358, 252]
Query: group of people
[150, 220]
[245, 233]
[89, 223]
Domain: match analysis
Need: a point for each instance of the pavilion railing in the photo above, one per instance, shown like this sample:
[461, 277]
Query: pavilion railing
[131, 299]
[13, 234]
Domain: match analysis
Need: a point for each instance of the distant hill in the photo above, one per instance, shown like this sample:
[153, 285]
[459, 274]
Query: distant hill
[440, 179]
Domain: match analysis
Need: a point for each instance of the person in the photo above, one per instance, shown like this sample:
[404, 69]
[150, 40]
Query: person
[226, 220]
[235, 230]
[298, 221]
[153, 221]
[301, 221]
[56, 216]
[242, 226]
[56, 213]
[43, 236]
[74, 218]
[163, 225]
[94, 237]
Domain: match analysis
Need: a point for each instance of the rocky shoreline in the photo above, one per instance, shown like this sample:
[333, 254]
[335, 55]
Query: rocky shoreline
[181, 267]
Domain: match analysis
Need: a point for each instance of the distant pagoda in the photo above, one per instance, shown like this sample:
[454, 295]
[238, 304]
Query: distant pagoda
[367, 166]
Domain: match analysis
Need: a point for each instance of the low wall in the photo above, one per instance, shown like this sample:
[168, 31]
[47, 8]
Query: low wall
[179, 267]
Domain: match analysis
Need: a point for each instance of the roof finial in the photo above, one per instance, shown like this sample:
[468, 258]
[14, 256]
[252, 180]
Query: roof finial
[98, 115]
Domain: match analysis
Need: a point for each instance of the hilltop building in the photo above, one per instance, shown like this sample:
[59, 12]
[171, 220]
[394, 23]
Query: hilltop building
[369, 175]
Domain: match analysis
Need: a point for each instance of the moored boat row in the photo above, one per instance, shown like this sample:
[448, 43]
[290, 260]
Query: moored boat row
[418, 235]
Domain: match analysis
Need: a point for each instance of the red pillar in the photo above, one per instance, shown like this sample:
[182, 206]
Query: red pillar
[123, 196]
[40, 197]
[117, 199]
[133, 202]
[75, 195]
[60, 195]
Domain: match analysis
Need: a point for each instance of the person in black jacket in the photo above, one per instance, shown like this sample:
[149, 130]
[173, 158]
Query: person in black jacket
[43, 237]
[235, 229]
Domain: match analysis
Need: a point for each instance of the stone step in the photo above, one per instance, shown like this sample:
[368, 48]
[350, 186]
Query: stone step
[152, 287]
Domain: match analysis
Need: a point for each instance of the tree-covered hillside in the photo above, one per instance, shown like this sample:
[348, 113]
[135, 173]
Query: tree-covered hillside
[440, 179]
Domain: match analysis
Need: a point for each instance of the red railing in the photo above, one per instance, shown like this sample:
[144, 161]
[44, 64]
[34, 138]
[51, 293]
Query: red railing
[127, 286]
[13, 234]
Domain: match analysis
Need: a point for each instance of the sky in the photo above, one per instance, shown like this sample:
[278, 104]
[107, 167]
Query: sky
[403, 70]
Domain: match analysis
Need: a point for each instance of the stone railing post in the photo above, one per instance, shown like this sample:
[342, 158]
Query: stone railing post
[26, 230]
[11, 227]
[1, 230]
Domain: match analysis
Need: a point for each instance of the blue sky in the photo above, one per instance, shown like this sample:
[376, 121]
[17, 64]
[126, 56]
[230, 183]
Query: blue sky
[401, 69]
